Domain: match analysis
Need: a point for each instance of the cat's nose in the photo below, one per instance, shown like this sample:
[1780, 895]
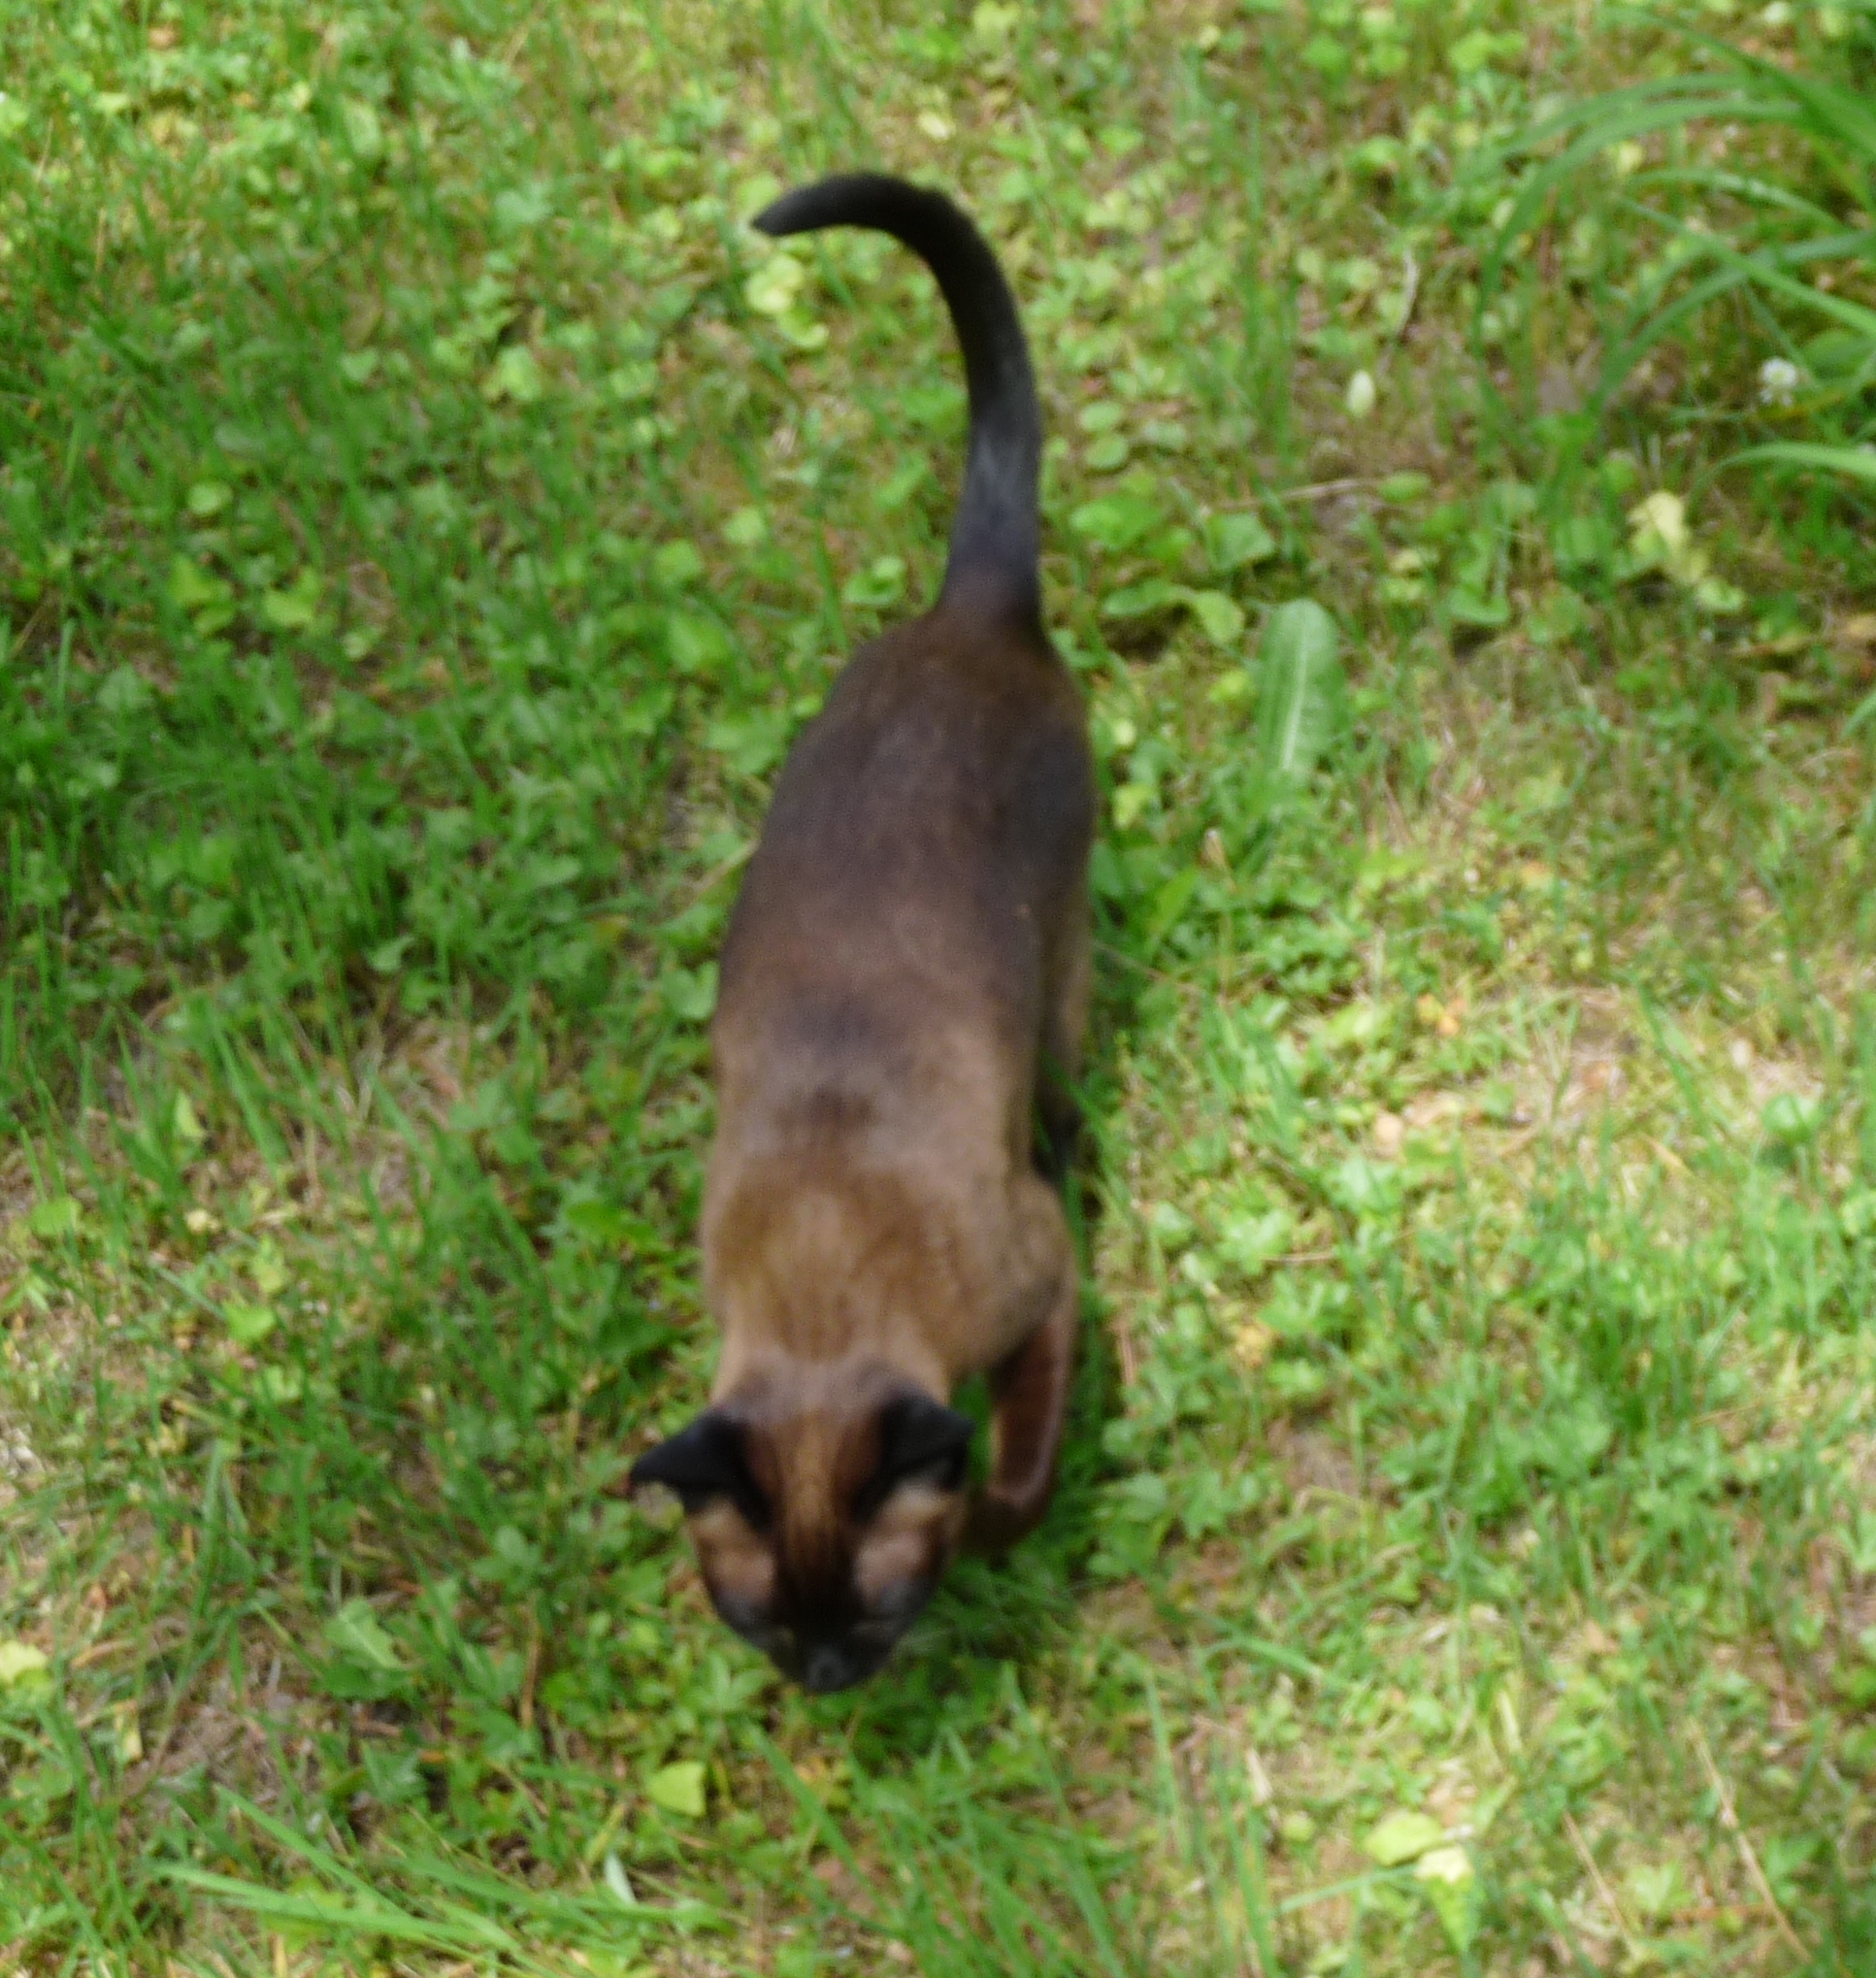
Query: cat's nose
[828, 1667]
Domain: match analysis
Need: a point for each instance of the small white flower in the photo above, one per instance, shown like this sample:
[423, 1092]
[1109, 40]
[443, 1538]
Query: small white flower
[1359, 399]
[1778, 381]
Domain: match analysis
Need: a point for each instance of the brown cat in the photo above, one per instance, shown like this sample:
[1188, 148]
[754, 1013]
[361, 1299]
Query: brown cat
[904, 987]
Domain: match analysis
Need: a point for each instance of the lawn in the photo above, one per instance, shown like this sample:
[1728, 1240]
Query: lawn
[426, 513]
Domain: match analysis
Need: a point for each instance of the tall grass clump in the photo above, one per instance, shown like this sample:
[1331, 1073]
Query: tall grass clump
[1738, 199]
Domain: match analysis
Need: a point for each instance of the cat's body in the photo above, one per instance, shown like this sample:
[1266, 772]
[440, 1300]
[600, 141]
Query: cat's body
[903, 988]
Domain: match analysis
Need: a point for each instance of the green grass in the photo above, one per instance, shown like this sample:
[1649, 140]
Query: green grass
[1775, 240]
[427, 516]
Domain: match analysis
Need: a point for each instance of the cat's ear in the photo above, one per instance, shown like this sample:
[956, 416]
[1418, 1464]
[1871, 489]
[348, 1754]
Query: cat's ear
[705, 1461]
[922, 1442]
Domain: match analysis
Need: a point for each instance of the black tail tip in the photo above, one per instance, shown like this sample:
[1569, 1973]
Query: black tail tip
[865, 198]
[794, 211]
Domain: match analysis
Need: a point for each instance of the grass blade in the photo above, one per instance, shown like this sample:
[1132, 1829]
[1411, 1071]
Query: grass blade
[1857, 462]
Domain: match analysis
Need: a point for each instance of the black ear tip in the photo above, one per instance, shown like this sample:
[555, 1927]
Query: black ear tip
[920, 1431]
[959, 1427]
[955, 1421]
[695, 1457]
[646, 1471]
